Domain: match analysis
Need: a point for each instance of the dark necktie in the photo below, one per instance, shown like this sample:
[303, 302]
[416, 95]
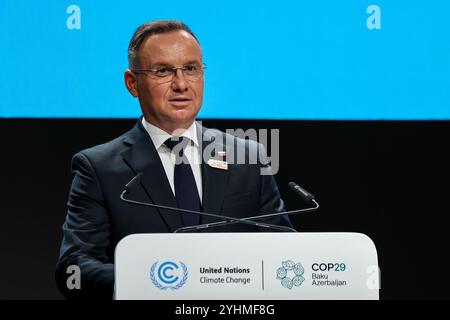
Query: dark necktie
[186, 192]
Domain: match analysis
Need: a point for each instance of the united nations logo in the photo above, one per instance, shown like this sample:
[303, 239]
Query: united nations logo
[169, 275]
[296, 269]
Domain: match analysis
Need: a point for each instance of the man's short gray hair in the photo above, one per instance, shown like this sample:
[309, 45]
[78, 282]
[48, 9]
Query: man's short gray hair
[148, 29]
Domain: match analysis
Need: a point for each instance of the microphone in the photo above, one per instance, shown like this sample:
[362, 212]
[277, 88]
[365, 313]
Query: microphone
[136, 180]
[298, 190]
[133, 183]
[301, 192]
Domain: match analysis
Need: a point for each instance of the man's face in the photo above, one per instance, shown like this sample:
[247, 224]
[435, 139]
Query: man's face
[174, 104]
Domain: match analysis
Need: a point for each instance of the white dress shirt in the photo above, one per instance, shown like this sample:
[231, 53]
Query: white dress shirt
[192, 153]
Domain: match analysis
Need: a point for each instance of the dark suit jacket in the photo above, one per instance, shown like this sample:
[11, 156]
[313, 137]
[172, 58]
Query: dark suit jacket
[97, 219]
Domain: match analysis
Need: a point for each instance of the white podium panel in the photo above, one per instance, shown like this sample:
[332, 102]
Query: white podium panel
[246, 266]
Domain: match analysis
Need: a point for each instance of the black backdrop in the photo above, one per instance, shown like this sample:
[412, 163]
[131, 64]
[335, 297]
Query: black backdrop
[389, 180]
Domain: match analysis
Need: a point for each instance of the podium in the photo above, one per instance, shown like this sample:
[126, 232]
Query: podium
[246, 266]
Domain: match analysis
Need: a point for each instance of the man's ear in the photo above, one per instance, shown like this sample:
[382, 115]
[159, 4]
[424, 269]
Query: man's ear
[131, 82]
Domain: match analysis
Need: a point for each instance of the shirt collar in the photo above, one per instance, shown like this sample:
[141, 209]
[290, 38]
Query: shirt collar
[159, 136]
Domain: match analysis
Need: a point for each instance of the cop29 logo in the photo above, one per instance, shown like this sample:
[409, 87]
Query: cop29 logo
[290, 274]
[169, 275]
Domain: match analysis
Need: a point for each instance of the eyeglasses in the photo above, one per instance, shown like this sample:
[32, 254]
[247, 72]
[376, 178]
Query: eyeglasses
[191, 72]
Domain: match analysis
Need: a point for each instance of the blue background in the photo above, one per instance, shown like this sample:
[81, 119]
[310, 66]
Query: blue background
[266, 59]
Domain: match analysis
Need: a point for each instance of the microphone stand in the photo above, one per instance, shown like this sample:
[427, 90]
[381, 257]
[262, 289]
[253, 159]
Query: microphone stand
[229, 219]
[221, 223]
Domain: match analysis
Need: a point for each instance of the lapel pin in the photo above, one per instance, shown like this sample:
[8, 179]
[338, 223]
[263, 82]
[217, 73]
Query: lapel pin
[218, 164]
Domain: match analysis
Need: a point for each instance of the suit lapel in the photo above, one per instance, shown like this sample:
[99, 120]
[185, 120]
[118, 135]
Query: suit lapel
[214, 180]
[143, 157]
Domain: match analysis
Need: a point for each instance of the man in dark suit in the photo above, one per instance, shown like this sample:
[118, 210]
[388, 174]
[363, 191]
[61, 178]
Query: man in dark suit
[166, 75]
